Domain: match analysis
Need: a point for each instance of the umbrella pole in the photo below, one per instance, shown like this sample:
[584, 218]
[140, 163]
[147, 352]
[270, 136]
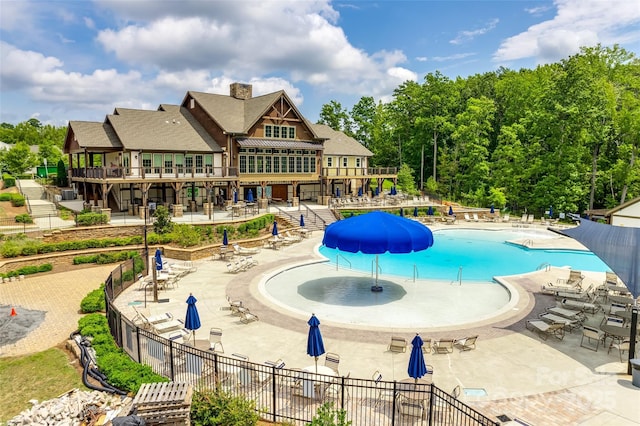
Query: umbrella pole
[316, 358]
[376, 288]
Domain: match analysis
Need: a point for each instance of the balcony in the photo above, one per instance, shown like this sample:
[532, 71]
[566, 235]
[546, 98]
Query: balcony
[175, 173]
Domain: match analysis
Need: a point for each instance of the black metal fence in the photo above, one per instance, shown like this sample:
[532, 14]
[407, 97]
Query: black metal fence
[284, 394]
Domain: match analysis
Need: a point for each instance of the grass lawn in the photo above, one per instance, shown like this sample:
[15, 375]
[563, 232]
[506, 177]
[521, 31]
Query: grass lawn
[42, 376]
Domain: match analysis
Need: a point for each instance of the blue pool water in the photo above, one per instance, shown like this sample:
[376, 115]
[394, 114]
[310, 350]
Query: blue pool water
[482, 254]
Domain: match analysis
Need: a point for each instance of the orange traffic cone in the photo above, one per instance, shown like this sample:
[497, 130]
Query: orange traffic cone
[13, 312]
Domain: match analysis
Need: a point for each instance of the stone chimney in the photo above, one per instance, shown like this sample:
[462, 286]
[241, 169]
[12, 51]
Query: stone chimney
[240, 91]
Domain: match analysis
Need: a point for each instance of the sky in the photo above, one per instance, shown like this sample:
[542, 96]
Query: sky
[63, 60]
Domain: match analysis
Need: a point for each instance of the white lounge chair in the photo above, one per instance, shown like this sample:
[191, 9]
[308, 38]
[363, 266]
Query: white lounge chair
[243, 251]
[545, 329]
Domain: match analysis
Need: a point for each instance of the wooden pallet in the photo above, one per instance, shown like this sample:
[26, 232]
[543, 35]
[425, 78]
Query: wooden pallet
[166, 403]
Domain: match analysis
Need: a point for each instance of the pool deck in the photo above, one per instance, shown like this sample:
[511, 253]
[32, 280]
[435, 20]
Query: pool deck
[548, 382]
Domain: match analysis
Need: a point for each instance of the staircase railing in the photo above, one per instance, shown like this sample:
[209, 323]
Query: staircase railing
[312, 216]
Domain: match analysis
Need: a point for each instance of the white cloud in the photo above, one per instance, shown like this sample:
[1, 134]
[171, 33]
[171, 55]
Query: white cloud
[465, 36]
[451, 57]
[577, 23]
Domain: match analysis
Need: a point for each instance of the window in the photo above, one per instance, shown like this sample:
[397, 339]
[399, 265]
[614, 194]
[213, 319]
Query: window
[168, 163]
[180, 162]
[329, 161]
[208, 163]
[260, 164]
[146, 162]
[252, 164]
[267, 164]
[199, 163]
[157, 163]
[305, 164]
[276, 164]
[358, 162]
[243, 164]
[280, 132]
[283, 164]
[188, 163]
[345, 161]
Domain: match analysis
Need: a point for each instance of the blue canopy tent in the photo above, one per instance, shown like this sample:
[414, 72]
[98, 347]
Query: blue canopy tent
[416, 368]
[274, 231]
[617, 246]
[315, 345]
[225, 238]
[250, 196]
[192, 319]
[301, 221]
[376, 233]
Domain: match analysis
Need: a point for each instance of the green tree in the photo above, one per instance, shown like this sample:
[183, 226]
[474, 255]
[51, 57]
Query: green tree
[363, 117]
[62, 180]
[19, 159]
[336, 117]
[406, 182]
[163, 223]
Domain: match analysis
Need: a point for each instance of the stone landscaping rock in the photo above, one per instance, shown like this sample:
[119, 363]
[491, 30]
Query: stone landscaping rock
[74, 408]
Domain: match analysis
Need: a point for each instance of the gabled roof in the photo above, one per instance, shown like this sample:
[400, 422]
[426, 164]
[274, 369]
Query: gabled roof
[170, 128]
[622, 206]
[91, 134]
[338, 143]
[277, 143]
[237, 116]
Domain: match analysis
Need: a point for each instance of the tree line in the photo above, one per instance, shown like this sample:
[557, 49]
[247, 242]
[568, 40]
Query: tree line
[563, 135]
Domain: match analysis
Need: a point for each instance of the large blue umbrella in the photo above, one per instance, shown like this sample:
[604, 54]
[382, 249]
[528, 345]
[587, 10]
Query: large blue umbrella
[450, 211]
[158, 257]
[301, 221]
[430, 211]
[378, 232]
[225, 238]
[315, 346]
[416, 368]
[274, 231]
[192, 319]
[250, 196]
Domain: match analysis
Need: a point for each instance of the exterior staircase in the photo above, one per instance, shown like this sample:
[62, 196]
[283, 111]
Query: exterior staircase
[36, 198]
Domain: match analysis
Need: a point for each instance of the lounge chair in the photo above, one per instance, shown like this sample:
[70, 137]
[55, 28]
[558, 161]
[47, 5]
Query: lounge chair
[243, 251]
[183, 336]
[467, 218]
[592, 334]
[426, 346]
[279, 364]
[246, 317]
[610, 278]
[186, 267]
[332, 360]
[578, 305]
[545, 329]
[552, 319]
[466, 343]
[234, 268]
[575, 278]
[293, 238]
[475, 217]
[567, 313]
[398, 344]
[166, 326]
[621, 347]
[215, 340]
[443, 346]
[410, 407]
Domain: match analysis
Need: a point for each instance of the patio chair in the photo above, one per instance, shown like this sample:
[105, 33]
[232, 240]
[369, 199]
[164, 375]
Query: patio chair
[246, 317]
[443, 346]
[466, 343]
[409, 407]
[234, 268]
[426, 346]
[545, 329]
[398, 344]
[475, 217]
[578, 305]
[467, 218]
[332, 360]
[293, 238]
[622, 346]
[243, 251]
[215, 340]
[617, 307]
[611, 278]
[182, 336]
[575, 278]
[167, 326]
[592, 334]
[278, 364]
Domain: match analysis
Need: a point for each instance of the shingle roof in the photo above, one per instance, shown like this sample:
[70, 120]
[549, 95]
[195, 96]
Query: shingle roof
[91, 134]
[171, 128]
[338, 143]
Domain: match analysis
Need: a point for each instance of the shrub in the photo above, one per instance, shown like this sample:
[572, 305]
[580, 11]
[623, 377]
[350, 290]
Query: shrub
[8, 180]
[162, 224]
[17, 200]
[91, 219]
[5, 196]
[216, 407]
[94, 301]
[24, 218]
[120, 370]
[329, 416]
[186, 235]
[10, 249]
[28, 270]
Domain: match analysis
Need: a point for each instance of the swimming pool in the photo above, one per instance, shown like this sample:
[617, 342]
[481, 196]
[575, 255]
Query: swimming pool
[482, 254]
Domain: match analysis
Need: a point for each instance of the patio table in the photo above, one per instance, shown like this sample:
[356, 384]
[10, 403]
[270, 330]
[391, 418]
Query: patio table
[313, 382]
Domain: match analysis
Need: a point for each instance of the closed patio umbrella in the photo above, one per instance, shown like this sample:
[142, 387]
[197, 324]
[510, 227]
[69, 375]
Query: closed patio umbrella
[225, 238]
[235, 197]
[158, 258]
[450, 211]
[493, 210]
[416, 368]
[274, 231]
[302, 221]
[377, 191]
[192, 319]
[401, 212]
[250, 196]
[360, 192]
[415, 212]
[315, 345]
[430, 211]
[338, 192]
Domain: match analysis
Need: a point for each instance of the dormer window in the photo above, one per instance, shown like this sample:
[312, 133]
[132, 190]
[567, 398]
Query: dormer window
[279, 132]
